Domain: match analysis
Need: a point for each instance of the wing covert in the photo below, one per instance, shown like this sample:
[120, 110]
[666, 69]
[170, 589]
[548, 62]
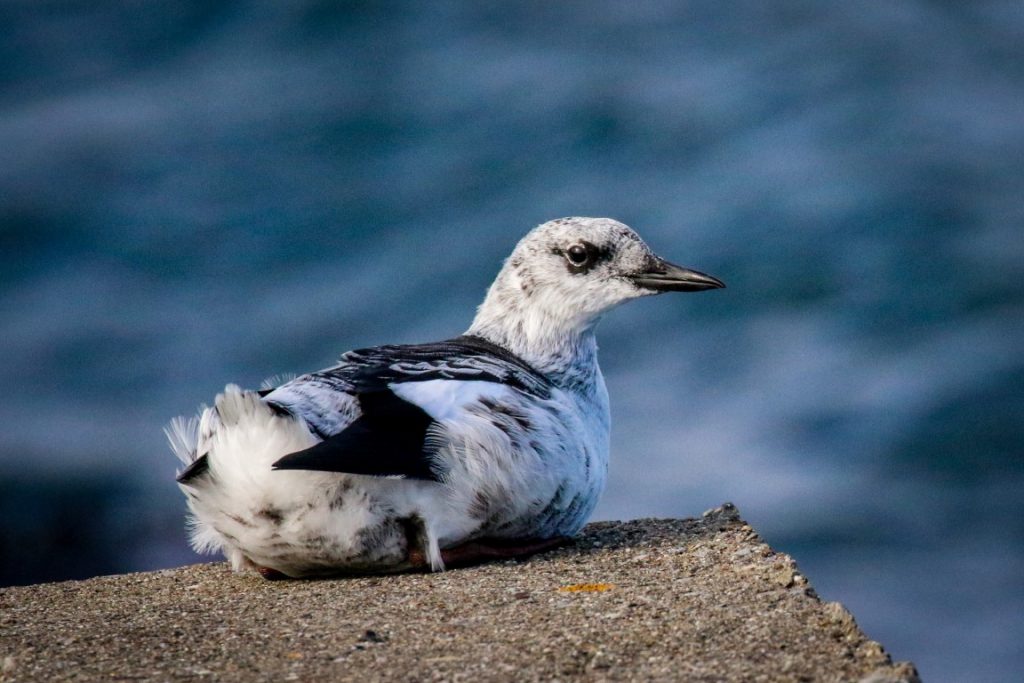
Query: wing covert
[389, 397]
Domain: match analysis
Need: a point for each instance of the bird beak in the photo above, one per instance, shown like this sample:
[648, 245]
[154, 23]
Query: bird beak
[662, 276]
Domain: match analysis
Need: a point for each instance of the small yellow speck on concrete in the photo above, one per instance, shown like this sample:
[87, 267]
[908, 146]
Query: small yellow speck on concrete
[587, 588]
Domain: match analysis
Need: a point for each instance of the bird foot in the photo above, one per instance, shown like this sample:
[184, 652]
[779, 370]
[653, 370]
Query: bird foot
[271, 574]
[483, 550]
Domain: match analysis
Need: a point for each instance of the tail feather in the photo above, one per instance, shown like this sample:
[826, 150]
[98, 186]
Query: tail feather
[227, 452]
[183, 435]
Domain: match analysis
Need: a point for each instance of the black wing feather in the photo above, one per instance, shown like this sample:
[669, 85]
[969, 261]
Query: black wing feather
[196, 468]
[386, 440]
[466, 358]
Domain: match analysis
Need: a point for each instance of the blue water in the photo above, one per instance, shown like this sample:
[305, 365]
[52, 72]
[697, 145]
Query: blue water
[193, 193]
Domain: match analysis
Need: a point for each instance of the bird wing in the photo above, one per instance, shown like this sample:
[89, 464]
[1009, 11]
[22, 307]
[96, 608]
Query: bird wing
[378, 409]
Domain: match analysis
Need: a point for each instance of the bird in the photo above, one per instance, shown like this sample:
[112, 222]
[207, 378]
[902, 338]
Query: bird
[492, 444]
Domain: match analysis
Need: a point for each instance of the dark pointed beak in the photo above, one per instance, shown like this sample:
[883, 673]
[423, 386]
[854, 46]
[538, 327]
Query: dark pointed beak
[662, 276]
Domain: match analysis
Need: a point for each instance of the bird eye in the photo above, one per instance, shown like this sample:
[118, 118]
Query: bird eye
[577, 254]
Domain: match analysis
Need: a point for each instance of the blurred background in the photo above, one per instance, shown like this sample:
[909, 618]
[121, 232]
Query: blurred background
[193, 193]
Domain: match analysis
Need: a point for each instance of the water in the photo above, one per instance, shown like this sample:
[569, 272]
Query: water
[192, 194]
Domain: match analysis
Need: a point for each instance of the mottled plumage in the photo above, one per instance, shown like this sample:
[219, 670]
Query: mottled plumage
[402, 455]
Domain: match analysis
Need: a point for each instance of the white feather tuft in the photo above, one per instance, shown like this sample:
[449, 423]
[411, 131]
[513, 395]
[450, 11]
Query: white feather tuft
[274, 381]
[183, 435]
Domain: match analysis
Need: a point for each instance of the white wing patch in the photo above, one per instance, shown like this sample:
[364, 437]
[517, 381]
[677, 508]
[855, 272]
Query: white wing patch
[444, 399]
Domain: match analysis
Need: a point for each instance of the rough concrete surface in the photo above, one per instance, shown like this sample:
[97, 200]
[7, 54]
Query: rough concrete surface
[669, 600]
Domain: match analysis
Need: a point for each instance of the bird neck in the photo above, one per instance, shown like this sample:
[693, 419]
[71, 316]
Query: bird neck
[564, 349]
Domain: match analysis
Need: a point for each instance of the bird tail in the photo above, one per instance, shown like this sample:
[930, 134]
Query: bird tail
[228, 451]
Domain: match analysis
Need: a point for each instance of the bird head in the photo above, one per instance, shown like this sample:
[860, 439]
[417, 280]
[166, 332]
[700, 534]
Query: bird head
[564, 274]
